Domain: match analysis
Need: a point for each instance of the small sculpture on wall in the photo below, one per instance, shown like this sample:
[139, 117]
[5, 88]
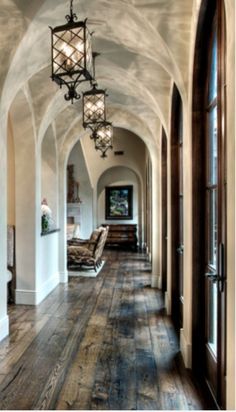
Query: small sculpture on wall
[72, 186]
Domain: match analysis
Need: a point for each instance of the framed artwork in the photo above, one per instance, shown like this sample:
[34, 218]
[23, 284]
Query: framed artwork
[119, 202]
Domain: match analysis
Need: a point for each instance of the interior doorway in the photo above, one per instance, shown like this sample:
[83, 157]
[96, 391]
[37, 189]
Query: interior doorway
[209, 202]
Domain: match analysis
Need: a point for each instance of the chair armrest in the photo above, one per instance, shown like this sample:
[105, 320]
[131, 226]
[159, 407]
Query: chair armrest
[78, 242]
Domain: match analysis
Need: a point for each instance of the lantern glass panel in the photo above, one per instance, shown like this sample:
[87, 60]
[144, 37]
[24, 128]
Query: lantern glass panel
[71, 58]
[94, 108]
[104, 137]
[89, 53]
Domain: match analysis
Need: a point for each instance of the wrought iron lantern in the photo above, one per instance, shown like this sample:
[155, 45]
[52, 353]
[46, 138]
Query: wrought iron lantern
[94, 108]
[72, 61]
[94, 104]
[103, 137]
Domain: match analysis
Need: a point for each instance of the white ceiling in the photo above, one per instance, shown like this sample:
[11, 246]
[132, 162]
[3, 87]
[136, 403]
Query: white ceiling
[144, 46]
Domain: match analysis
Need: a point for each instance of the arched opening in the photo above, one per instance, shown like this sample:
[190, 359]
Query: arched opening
[121, 176]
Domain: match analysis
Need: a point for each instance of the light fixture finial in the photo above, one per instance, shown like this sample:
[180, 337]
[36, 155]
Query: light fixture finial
[72, 17]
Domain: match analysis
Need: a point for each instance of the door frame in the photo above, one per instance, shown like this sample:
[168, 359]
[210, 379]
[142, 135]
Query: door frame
[176, 304]
[164, 197]
[206, 16]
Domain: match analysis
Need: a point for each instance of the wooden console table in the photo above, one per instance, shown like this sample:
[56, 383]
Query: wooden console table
[122, 235]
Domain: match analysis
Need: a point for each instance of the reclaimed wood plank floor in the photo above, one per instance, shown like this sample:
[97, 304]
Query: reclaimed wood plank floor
[96, 343]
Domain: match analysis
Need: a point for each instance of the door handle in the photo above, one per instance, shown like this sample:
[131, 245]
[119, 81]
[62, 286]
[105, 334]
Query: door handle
[220, 277]
[212, 277]
[180, 249]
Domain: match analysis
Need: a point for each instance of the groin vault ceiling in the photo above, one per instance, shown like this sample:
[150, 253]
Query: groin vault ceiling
[144, 46]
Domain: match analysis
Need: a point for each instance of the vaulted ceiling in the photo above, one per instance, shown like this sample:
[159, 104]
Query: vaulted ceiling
[144, 46]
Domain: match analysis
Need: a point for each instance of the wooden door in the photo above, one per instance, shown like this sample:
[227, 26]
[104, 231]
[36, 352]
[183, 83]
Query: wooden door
[177, 244]
[209, 204]
[215, 242]
[164, 211]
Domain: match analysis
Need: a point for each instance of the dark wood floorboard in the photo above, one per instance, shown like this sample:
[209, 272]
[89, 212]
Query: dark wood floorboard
[100, 343]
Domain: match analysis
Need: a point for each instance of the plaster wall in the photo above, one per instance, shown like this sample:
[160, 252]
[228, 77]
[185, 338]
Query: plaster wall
[62, 197]
[4, 321]
[148, 221]
[134, 155]
[48, 269]
[156, 219]
[85, 190]
[49, 175]
[25, 179]
[10, 176]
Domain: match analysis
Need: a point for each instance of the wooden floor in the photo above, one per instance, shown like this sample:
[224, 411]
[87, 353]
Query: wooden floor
[96, 343]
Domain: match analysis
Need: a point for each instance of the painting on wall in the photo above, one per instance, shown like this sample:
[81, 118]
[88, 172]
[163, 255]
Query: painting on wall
[119, 202]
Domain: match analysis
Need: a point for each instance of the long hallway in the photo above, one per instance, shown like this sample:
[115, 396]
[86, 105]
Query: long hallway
[96, 343]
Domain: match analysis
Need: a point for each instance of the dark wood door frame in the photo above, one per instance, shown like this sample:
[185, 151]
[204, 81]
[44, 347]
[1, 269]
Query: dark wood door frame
[206, 16]
[164, 209]
[177, 305]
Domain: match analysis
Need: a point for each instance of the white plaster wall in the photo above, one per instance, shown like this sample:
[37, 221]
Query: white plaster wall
[85, 190]
[36, 264]
[156, 219]
[48, 269]
[10, 176]
[63, 273]
[25, 179]
[49, 176]
[149, 206]
[4, 321]
[134, 154]
[48, 245]
[186, 331]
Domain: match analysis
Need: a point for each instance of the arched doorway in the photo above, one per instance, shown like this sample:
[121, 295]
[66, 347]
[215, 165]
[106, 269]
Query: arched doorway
[209, 201]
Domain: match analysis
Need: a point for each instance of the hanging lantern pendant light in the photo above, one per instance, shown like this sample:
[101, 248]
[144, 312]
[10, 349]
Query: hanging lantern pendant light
[71, 54]
[103, 137]
[94, 103]
[94, 108]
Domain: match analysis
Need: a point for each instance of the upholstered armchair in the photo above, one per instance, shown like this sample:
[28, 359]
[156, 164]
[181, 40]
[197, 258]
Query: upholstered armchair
[87, 252]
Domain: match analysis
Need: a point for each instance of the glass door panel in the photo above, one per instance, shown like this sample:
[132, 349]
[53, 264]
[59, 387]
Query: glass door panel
[212, 223]
[212, 317]
[212, 146]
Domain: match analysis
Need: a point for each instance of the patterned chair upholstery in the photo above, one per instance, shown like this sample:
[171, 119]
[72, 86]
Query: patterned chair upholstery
[88, 243]
[88, 253]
